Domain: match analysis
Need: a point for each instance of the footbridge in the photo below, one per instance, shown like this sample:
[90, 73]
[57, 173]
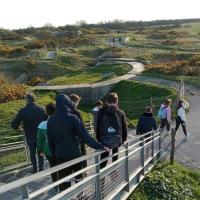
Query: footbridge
[116, 181]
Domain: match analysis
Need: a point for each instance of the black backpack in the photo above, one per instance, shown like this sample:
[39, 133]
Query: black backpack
[111, 127]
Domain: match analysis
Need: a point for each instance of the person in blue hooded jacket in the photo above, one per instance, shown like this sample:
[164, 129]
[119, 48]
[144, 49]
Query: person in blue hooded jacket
[64, 131]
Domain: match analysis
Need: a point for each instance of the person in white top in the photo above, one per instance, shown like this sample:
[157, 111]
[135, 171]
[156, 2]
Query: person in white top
[181, 116]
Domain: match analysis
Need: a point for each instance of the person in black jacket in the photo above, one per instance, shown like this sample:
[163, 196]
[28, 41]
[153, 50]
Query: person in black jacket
[146, 122]
[111, 107]
[30, 116]
[76, 99]
[64, 131]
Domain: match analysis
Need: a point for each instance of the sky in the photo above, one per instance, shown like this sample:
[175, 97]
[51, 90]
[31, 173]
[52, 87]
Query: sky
[25, 13]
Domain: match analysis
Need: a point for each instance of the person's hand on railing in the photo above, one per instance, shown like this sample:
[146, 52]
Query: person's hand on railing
[107, 149]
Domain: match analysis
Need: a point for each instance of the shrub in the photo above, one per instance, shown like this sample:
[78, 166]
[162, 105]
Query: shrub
[9, 91]
[36, 80]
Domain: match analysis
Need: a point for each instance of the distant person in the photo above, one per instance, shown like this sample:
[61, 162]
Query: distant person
[111, 127]
[30, 116]
[95, 110]
[164, 114]
[76, 99]
[181, 116]
[146, 123]
[64, 131]
[42, 143]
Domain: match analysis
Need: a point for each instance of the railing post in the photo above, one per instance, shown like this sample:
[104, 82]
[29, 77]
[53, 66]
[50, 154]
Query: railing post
[143, 155]
[152, 146]
[98, 179]
[25, 192]
[173, 133]
[159, 154]
[126, 170]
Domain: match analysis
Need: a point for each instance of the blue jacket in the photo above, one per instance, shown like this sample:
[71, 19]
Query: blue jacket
[146, 123]
[64, 131]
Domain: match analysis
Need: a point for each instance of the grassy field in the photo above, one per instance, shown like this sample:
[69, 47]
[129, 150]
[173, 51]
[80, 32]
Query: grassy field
[167, 181]
[192, 80]
[135, 96]
[91, 75]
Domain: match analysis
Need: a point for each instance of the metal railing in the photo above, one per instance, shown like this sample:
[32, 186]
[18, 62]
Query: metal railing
[115, 181]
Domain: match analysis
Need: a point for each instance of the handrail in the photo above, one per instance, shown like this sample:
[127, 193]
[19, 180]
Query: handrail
[122, 161]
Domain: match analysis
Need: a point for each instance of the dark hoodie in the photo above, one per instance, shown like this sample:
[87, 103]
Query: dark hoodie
[146, 123]
[64, 131]
[122, 119]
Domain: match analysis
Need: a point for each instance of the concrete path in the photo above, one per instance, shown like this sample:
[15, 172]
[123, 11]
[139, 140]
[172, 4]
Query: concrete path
[187, 150]
[136, 68]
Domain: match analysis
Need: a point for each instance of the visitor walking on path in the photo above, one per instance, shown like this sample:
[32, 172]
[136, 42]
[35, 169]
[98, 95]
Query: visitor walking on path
[76, 99]
[146, 123]
[42, 143]
[181, 116]
[111, 126]
[64, 131]
[30, 116]
[165, 115]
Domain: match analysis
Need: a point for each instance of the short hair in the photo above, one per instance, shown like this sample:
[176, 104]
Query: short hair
[112, 98]
[99, 103]
[148, 110]
[74, 97]
[167, 102]
[50, 108]
[30, 97]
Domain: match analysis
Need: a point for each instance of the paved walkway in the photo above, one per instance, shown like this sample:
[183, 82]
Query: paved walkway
[136, 68]
[187, 150]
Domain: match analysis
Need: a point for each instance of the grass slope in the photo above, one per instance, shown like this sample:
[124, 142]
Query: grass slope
[91, 75]
[167, 182]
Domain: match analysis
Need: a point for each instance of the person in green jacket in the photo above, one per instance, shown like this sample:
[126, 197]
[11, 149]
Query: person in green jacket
[42, 143]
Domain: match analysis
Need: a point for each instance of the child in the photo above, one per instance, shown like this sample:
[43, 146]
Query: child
[42, 143]
[165, 115]
[181, 117]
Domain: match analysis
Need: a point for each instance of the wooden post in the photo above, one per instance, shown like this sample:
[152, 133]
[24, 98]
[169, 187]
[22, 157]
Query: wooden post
[173, 133]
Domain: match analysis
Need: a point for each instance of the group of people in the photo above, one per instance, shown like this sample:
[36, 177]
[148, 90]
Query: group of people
[58, 132]
[147, 121]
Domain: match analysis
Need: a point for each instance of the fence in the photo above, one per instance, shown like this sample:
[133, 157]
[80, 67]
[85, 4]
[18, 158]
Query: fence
[14, 152]
[116, 181]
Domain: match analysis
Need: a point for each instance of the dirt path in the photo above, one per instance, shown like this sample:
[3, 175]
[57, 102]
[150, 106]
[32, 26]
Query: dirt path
[187, 150]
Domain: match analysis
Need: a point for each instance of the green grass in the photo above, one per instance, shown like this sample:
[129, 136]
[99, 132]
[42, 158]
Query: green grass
[8, 111]
[135, 96]
[192, 80]
[167, 182]
[91, 75]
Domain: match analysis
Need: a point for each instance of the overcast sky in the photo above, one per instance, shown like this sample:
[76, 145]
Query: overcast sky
[23, 13]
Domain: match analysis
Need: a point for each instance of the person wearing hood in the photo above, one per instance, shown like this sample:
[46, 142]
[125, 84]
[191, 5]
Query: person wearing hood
[111, 109]
[146, 122]
[64, 131]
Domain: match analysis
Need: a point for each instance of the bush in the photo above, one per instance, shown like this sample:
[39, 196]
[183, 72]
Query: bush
[184, 67]
[9, 91]
[36, 80]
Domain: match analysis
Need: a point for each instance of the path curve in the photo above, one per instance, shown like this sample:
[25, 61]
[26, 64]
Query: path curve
[136, 69]
[187, 151]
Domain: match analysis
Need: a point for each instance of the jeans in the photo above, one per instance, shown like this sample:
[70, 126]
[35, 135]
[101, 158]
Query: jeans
[164, 123]
[66, 172]
[52, 163]
[179, 122]
[37, 161]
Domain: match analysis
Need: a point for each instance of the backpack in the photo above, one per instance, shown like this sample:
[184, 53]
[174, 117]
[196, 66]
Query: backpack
[111, 130]
[162, 113]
